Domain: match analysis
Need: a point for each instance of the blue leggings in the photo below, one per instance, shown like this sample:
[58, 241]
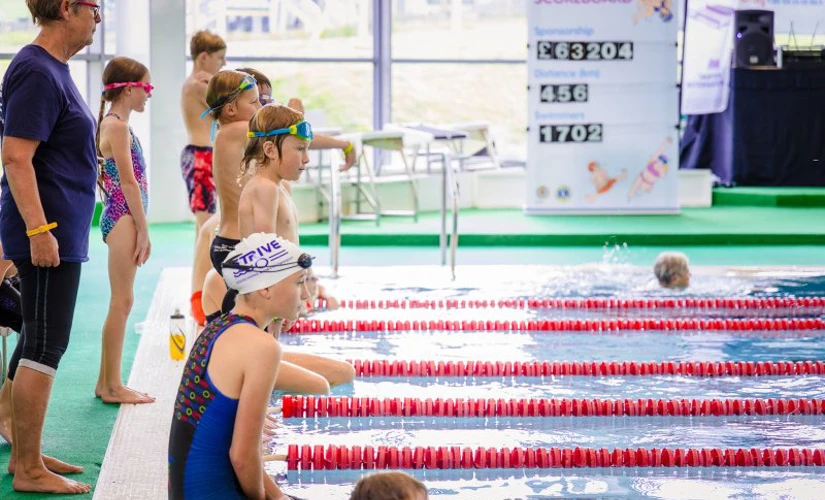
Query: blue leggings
[48, 297]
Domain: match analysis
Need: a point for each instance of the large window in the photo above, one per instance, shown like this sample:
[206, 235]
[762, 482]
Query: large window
[319, 51]
[16, 27]
[334, 95]
[492, 93]
[287, 28]
[459, 29]
[462, 60]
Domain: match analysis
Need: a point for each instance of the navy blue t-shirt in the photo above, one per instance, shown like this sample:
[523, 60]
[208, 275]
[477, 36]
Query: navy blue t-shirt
[39, 100]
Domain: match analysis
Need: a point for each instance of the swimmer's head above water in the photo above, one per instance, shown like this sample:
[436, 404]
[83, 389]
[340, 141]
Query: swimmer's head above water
[671, 270]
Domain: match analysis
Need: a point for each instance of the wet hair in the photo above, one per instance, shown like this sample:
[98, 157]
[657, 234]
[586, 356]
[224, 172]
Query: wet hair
[119, 69]
[269, 117]
[668, 266]
[223, 88]
[205, 41]
[261, 78]
[395, 485]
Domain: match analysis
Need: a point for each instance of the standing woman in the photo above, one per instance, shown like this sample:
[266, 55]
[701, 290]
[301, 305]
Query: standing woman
[126, 84]
[46, 207]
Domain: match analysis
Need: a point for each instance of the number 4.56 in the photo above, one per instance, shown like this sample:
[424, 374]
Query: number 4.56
[563, 93]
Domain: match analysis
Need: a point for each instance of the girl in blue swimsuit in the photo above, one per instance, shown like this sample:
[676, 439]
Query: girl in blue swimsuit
[221, 404]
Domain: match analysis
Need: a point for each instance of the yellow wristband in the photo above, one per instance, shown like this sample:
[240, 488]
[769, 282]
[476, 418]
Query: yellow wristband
[42, 229]
[348, 149]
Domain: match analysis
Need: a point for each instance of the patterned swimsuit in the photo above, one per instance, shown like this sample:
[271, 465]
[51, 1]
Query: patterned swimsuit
[202, 426]
[114, 204]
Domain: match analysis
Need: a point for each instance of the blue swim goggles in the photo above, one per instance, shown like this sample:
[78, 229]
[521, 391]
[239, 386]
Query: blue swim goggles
[301, 130]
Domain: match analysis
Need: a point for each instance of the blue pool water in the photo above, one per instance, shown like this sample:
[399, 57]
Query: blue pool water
[802, 431]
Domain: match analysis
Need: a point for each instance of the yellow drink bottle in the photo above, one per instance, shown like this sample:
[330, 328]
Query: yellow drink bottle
[177, 336]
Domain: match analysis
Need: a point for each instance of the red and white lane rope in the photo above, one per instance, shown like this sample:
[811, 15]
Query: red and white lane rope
[311, 407]
[402, 368]
[388, 457]
[559, 325]
[592, 303]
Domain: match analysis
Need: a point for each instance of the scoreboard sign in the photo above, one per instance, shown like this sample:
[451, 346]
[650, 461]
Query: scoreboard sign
[603, 106]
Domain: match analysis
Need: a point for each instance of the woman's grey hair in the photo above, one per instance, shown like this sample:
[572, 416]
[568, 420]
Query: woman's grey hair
[44, 11]
[668, 266]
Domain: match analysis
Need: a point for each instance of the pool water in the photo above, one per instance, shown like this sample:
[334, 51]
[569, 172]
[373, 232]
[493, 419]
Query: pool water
[755, 431]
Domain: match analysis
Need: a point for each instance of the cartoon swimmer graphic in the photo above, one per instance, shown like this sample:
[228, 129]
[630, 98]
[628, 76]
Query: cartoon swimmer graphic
[601, 180]
[656, 168]
[647, 8]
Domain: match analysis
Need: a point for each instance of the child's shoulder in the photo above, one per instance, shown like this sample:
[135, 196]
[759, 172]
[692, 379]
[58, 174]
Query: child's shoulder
[260, 185]
[235, 130]
[111, 123]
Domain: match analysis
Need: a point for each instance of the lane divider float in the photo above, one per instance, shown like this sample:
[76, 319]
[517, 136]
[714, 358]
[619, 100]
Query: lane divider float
[356, 457]
[338, 407]
[430, 368]
[559, 325]
[590, 303]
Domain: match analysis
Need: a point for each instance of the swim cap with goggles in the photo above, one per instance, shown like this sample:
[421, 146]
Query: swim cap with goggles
[261, 260]
[247, 83]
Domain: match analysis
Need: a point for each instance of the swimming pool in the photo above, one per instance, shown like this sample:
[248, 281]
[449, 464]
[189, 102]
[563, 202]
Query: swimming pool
[491, 284]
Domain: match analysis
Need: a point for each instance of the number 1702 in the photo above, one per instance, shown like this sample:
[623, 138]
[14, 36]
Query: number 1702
[585, 132]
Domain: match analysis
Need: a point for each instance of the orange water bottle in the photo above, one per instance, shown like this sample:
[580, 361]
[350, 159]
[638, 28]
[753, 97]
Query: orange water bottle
[177, 336]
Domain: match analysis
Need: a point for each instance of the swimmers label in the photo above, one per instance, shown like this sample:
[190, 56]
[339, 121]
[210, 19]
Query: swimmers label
[177, 336]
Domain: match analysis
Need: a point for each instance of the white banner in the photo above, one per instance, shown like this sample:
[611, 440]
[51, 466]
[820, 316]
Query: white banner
[709, 34]
[603, 106]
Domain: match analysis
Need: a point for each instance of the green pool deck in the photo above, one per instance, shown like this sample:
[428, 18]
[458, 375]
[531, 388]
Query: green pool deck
[769, 197]
[724, 225]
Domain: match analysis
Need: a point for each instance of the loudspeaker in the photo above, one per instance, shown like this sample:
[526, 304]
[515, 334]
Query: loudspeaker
[753, 38]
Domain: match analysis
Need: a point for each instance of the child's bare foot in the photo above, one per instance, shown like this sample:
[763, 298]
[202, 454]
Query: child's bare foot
[40, 480]
[122, 395]
[51, 463]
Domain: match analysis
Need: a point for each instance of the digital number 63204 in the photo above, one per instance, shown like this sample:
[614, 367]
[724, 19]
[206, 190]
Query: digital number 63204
[584, 132]
[584, 51]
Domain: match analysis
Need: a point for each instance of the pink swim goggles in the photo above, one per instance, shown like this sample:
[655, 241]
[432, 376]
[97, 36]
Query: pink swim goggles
[148, 87]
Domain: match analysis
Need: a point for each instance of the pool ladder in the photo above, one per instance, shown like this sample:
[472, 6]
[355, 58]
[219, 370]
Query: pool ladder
[449, 192]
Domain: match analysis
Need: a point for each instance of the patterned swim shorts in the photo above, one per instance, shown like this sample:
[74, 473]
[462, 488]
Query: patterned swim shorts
[196, 166]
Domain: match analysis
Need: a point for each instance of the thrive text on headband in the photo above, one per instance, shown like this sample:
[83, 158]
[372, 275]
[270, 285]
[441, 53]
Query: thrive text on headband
[301, 130]
[266, 265]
